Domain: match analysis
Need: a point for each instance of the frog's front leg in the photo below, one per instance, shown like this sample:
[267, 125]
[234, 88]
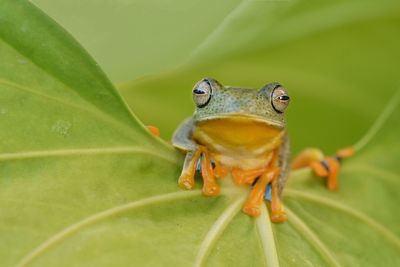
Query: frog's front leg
[186, 179]
[210, 186]
[252, 205]
[276, 173]
[322, 166]
[182, 139]
[256, 197]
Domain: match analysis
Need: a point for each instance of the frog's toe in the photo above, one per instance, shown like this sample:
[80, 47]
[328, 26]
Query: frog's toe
[252, 211]
[220, 171]
[319, 168]
[323, 166]
[238, 177]
[331, 166]
[186, 182]
[154, 130]
[186, 185]
[211, 190]
[279, 217]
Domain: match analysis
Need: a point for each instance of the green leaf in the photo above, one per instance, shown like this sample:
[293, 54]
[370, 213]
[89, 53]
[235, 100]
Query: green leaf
[60, 118]
[82, 183]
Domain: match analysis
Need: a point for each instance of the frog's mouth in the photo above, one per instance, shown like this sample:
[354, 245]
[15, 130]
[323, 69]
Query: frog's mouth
[238, 131]
[239, 118]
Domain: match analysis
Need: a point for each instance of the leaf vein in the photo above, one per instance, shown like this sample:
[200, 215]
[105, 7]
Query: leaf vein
[348, 210]
[377, 125]
[95, 112]
[95, 218]
[84, 152]
[368, 169]
[216, 230]
[266, 236]
[311, 237]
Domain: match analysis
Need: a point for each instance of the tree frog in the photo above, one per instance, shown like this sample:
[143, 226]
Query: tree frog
[242, 132]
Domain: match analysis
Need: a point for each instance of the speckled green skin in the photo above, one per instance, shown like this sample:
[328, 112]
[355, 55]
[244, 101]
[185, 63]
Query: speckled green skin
[229, 100]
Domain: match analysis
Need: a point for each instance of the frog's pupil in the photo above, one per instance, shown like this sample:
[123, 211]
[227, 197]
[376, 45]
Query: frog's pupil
[199, 92]
[283, 97]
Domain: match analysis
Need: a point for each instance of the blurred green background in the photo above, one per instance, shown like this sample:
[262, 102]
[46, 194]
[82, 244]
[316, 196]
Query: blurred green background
[339, 59]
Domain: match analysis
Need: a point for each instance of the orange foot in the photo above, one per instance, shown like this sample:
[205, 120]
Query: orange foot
[256, 197]
[154, 130]
[210, 186]
[323, 166]
[279, 216]
[220, 171]
[252, 211]
[186, 181]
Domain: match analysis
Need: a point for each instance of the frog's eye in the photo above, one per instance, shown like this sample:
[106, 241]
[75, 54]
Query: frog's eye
[202, 93]
[279, 99]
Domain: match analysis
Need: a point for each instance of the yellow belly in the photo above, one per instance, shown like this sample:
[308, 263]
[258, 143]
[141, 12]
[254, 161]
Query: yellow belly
[238, 141]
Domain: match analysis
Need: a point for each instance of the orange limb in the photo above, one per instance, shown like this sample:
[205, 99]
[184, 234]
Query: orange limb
[307, 156]
[323, 166]
[154, 130]
[345, 152]
[256, 197]
[186, 180]
[242, 177]
[210, 186]
[318, 168]
[278, 215]
[334, 166]
[220, 171]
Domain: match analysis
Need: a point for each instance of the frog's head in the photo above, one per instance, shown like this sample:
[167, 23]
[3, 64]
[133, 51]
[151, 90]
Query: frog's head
[215, 102]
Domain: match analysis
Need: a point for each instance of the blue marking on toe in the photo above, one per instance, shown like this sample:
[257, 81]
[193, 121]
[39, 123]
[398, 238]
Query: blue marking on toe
[268, 193]
[198, 165]
[326, 165]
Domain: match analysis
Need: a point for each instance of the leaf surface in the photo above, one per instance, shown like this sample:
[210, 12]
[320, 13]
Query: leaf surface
[82, 183]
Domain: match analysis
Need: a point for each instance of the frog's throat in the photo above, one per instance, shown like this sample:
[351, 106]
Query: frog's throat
[237, 136]
[240, 117]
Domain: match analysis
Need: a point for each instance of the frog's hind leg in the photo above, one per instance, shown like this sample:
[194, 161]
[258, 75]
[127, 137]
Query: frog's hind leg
[219, 170]
[242, 177]
[322, 166]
